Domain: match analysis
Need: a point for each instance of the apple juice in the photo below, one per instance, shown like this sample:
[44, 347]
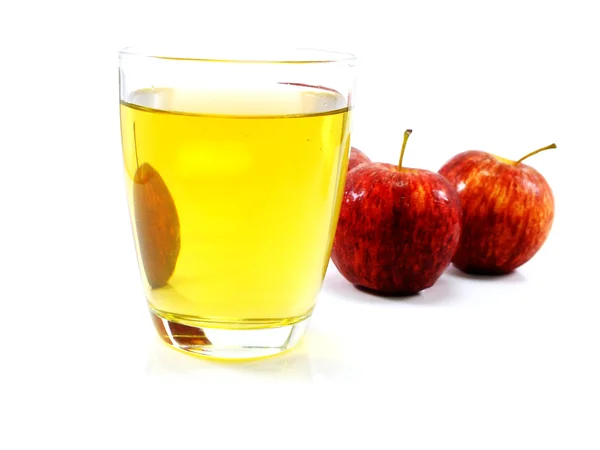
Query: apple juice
[234, 198]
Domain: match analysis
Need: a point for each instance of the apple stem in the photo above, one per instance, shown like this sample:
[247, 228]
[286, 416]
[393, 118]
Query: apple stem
[536, 151]
[406, 135]
[137, 162]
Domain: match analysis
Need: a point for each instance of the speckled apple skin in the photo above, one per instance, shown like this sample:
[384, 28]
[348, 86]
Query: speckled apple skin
[398, 229]
[157, 225]
[508, 211]
[356, 157]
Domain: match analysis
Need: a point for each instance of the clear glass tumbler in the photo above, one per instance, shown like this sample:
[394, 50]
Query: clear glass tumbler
[235, 166]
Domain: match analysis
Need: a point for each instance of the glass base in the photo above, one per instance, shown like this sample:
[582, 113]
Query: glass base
[224, 343]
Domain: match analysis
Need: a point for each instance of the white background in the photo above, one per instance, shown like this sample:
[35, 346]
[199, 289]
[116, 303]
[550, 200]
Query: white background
[470, 363]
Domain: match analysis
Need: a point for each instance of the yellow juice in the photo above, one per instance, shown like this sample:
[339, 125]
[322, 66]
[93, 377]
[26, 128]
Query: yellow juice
[234, 199]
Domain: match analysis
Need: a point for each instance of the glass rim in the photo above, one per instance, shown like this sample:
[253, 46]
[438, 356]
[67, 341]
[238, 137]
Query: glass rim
[312, 56]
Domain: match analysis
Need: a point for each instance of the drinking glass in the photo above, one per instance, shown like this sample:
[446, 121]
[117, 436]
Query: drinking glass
[234, 164]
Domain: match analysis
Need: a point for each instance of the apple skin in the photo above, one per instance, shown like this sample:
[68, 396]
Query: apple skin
[508, 210]
[179, 334]
[398, 228]
[356, 157]
[157, 225]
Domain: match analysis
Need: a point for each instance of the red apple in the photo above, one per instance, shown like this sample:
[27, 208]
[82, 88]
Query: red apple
[356, 157]
[398, 227]
[156, 223]
[508, 209]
